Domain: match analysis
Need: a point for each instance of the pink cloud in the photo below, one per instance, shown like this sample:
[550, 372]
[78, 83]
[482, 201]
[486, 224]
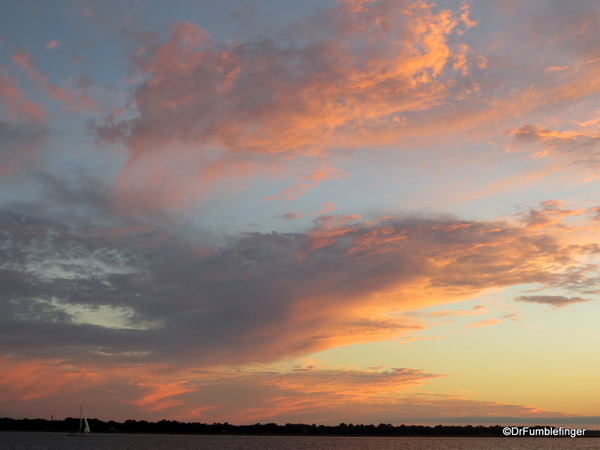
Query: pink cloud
[16, 104]
[23, 135]
[72, 99]
[368, 74]
[24, 60]
[51, 45]
[365, 65]
[308, 182]
[326, 207]
[245, 395]
[25, 381]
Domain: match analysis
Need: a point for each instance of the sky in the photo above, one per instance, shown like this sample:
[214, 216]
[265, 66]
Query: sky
[255, 211]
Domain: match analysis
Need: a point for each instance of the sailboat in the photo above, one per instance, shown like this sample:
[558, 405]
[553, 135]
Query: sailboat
[84, 427]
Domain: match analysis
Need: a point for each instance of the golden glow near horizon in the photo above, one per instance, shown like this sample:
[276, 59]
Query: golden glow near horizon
[354, 211]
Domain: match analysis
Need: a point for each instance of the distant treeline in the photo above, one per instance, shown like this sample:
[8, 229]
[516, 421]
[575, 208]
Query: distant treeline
[175, 427]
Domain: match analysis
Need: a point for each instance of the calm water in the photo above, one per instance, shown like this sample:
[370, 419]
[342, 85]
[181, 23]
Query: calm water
[60, 441]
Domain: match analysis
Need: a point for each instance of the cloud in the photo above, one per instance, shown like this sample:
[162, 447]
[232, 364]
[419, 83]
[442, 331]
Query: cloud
[484, 323]
[81, 197]
[582, 144]
[249, 395]
[476, 310]
[19, 145]
[14, 102]
[556, 301]
[254, 298]
[308, 182]
[51, 45]
[343, 78]
[368, 74]
[242, 395]
[23, 381]
[23, 130]
[326, 207]
[582, 39]
[549, 212]
[72, 99]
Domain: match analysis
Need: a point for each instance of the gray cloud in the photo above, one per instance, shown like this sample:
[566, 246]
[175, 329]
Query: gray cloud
[580, 143]
[138, 290]
[578, 146]
[19, 144]
[556, 301]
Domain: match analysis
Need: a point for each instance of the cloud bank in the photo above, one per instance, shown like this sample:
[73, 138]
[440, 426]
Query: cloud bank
[257, 298]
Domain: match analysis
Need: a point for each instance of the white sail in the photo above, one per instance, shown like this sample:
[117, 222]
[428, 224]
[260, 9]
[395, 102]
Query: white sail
[84, 426]
[87, 426]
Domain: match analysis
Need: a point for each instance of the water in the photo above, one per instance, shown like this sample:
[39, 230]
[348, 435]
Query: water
[60, 441]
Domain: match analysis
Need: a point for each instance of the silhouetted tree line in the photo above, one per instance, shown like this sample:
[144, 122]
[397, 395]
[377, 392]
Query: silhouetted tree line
[175, 427]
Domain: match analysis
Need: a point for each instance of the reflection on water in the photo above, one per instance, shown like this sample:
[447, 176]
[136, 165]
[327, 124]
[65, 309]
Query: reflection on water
[60, 441]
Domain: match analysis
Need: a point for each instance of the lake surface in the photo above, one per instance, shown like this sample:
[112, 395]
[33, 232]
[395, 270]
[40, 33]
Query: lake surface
[60, 441]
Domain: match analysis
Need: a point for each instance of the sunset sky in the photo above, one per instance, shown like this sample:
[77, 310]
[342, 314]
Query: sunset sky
[246, 211]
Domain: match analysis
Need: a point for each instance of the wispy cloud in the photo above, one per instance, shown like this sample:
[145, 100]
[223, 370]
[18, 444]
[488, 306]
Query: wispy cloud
[584, 145]
[249, 395]
[308, 182]
[16, 104]
[484, 323]
[72, 99]
[556, 301]
[326, 207]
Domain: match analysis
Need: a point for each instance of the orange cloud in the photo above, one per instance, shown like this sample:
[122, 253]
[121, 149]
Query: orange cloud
[160, 395]
[246, 395]
[24, 381]
[51, 45]
[484, 323]
[369, 74]
[363, 68]
[308, 182]
[476, 310]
